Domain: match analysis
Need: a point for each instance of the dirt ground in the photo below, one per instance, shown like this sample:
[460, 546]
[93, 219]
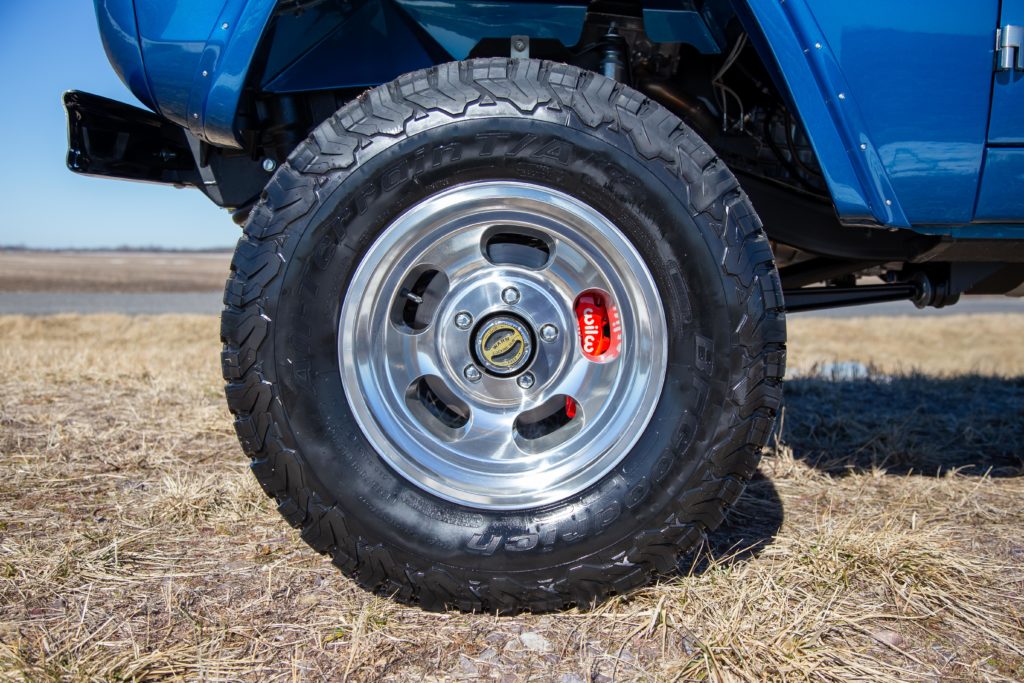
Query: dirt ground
[112, 271]
[882, 539]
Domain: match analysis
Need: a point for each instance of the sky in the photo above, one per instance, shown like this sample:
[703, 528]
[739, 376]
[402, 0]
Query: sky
[47, 47]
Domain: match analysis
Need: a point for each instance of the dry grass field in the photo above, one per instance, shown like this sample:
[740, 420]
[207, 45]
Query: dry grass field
[881, 541]
[112, 271]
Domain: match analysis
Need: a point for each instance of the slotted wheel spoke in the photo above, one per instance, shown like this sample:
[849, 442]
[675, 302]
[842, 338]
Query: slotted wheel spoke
[589, 383]
[572, 271]
[411, 355]
[460, 252]
[489, 434]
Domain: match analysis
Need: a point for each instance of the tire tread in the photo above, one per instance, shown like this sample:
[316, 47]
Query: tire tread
[713, 195]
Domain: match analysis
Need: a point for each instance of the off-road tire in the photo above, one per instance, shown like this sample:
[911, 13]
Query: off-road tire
[481, 119]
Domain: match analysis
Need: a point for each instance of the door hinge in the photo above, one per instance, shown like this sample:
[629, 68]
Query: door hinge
[1009, 53]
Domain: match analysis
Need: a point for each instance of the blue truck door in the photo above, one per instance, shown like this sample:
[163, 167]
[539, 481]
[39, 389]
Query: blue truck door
[1001, 194]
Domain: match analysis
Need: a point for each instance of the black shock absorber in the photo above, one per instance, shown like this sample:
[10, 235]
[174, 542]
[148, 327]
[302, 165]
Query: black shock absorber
[614, 51]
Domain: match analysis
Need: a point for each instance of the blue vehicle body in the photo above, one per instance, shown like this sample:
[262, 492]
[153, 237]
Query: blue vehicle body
[895, 98]
[911, 125]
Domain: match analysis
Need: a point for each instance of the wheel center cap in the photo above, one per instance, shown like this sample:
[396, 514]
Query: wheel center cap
[503, 344]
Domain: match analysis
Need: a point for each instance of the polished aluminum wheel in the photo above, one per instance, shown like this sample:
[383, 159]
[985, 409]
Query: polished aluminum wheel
[502, 345]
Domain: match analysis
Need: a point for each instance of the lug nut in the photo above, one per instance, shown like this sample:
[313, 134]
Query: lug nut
[463, 320]
[549, 333]
[525, 380]
[510, 295]
[472, 374]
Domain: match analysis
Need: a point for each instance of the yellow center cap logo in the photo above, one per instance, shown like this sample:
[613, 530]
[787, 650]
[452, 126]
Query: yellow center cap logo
[503, 345]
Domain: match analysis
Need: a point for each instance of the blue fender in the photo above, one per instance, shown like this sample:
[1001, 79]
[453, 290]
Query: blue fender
[189, 60]
[785, 35]
[893, 96]
[120, 37]
[229, 53]
[421, 33]
[197, 55]
[186, 60]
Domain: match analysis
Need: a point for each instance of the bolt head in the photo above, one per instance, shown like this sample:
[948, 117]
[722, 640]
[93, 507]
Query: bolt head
[471, 373]
[463, 320]
[510, 295]
[269, 165]
[519, 46]
[549, 333]
[525, 380]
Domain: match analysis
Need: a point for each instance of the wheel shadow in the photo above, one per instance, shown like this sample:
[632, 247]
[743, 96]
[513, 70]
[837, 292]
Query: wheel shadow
[750, 526]
[907, 424]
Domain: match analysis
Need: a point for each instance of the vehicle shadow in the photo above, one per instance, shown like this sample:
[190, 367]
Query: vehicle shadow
[910, 424]
[907, 424]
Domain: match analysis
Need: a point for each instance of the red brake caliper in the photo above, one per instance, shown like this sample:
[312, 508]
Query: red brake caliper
[592, 318]
[599, 332]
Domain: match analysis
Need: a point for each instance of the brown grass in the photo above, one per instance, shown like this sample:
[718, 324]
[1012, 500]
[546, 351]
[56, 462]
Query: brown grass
[985, 344]
[112, 271]
[134, 544]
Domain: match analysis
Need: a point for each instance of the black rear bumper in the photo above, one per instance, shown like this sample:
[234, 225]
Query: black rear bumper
[116, 140]
[111, 139]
